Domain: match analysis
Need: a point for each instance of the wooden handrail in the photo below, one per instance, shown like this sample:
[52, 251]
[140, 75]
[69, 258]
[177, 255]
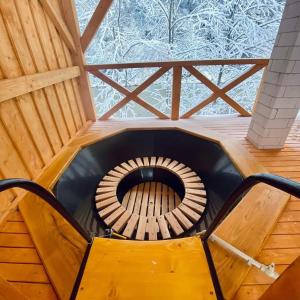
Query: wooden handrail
[177, 66]
[159, 64]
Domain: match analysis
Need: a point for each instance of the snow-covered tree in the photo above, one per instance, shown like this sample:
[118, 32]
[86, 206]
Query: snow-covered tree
[160, 30]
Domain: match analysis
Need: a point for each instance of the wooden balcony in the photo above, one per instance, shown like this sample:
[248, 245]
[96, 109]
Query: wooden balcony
[177, 67]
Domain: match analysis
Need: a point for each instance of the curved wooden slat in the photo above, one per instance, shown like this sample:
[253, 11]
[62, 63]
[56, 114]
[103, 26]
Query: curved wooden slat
[152, 206]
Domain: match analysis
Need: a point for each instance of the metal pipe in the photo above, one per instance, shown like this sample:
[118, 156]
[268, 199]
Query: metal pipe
[267, 269]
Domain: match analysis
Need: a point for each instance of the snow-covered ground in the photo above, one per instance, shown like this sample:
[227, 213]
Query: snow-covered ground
[161, 30]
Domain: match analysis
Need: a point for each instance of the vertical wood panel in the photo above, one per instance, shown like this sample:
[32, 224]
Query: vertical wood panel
[9, 111]
[75, 83]
[176, 89]
[70, 16]
[69, 63]
[34, 126]
[58, 47]
[26, 103]
[53, 96]
[53, 64]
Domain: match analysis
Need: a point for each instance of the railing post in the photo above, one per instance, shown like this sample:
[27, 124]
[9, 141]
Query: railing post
[176, 89]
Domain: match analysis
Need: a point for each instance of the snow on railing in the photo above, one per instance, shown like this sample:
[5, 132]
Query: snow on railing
[177, 67]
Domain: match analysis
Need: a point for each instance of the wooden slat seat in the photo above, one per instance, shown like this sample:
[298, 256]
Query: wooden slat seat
[151, 210]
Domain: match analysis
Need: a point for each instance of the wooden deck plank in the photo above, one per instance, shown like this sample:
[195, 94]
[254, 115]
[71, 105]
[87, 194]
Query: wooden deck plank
[108, 210]
[139, 196]
[102, 190]
[182, 219]
[145, 199]
[153, 161]
[158, 193]
[166, 162]
[132, 198]
[126, 199]
[121, 170]
[130, 227]
[114, 216]
[19, 255]
[115, 174]
[141, 230]
[132, 164]
[151, 201]
[102, 204]
[171, 199]
[159, 161]
[146, 161]
[174, 223]
[191, 179]
[156, 270]
[164, 199]
[196, 207]
[121, 223]
[36, 291]
[192, 215]
[152, 228]
[197, 199]
[127, 167]
[23, 272]
[139, 162]
[14, 227]
[163, 227]
[105, 196]
[16, 240]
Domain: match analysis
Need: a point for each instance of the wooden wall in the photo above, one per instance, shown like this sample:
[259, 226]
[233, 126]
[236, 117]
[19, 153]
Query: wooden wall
[40, 111]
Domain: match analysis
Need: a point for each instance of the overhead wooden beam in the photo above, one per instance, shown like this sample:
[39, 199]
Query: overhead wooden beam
[11, 88]
[176, 89]
[59, 24]
[94, 23]
[126, 92]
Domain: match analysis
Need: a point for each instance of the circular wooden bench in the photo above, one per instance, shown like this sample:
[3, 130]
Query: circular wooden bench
[151, 207]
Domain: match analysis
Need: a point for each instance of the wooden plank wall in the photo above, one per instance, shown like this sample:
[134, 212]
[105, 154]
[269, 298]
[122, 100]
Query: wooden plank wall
[34, 126]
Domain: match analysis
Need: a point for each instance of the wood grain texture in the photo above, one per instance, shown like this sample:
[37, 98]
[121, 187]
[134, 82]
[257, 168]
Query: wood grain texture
[286, 286]
[83, 88]
[21, 269]
[59, 23]
[176, 89]
[40, 106]
[8, 291]
[61, 248]
[156, 270]
[10, 88]
[159, 64]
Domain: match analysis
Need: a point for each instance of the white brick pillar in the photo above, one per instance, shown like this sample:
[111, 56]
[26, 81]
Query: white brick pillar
[278, 100]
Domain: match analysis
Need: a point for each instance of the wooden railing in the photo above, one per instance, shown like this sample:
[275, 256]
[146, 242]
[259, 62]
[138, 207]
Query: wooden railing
[217, 92]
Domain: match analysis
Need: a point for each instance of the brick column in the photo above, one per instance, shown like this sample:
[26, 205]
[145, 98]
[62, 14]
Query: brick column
[278, 99]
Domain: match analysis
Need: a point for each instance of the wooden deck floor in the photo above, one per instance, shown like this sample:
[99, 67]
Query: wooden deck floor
[283, 245]
[20, 263]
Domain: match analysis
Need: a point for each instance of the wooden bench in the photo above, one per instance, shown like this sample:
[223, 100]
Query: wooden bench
[151, 210]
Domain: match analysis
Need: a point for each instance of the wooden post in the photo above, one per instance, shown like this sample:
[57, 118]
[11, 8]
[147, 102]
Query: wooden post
[176, 89]
[71, 20]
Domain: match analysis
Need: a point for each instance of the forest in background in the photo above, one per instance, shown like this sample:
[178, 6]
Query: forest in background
[164, 30]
